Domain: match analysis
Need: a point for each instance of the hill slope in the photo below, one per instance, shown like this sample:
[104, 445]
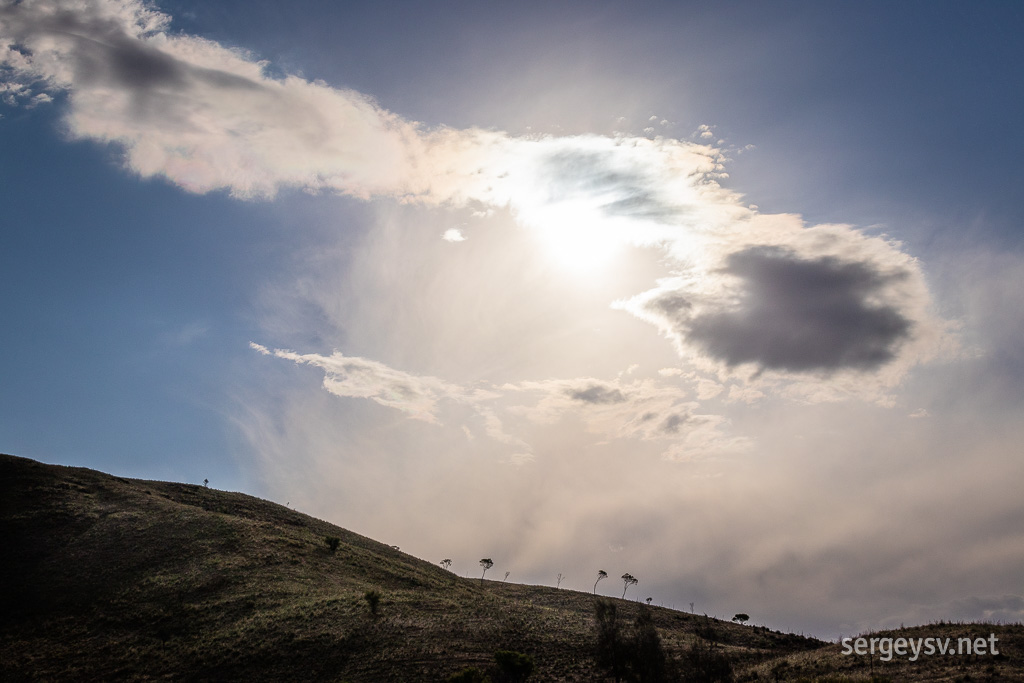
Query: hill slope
[110, 578]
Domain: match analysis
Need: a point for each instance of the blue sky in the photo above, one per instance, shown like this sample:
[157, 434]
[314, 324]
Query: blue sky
[725, 296]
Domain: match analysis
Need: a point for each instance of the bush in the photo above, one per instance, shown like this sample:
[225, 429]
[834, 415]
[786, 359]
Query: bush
[636, 657]
[611, 646]
[648, 657]
[469, 675]
[332, 543]
[704, 662]
[372, 599]
[514, 666]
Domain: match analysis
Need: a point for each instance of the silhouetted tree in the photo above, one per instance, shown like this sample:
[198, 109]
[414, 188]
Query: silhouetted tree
[741, 618]
[649, 600]
[506, 577]
[601, 574]
[627, 581]
[486, 563]
[558, 580]
[445, 563]
[206, 482]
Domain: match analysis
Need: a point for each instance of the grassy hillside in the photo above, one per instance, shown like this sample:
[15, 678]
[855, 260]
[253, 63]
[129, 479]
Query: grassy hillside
[106, 578]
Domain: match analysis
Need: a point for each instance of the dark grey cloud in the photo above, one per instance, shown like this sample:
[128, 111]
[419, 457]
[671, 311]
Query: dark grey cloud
[105, 54]
[671, 305]
[797, 314]
[597, 394]
[104, 51]
[673, 422]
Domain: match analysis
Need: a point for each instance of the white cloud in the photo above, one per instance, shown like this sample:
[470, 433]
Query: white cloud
[453, 235]
[352, 377]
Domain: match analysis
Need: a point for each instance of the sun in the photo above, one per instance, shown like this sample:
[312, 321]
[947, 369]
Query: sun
[576, 237]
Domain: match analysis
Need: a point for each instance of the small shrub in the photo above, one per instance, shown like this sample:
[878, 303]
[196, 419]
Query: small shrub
[611, 646]
[648, 657]
[332, 543]
[634, 655]
[514, 666]
[706, 630]
[469, 675]
[704, 662]
[373, 600]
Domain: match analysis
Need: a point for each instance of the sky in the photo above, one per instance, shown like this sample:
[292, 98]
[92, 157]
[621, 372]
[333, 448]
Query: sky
[722, 295]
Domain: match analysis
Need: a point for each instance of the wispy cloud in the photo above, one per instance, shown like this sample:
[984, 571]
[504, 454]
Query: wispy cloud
[640, 409]
[416, 395]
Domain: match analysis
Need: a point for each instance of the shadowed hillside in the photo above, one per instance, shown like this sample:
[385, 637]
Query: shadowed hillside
[110, 578]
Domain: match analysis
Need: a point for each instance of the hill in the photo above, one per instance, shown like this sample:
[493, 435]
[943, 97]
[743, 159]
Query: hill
[107, 578]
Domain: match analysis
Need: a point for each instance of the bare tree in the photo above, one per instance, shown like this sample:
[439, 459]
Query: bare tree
[506, 577]
[601, 574]
[486, 563]
[559, 579]
[627, 581]
[445, 563]
[691, 607]
[649, 600]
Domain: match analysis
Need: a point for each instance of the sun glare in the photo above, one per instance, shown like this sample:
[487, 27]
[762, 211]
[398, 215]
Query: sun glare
[575, 237]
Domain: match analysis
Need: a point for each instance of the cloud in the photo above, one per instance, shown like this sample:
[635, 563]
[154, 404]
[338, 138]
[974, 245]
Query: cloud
[808, 311]
[352, 377]
[796, 314]
[1004, 609]
[815, 313]
[204, 116]
[595, 393]
[453, 235]
[636, 409]
[640, 409]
